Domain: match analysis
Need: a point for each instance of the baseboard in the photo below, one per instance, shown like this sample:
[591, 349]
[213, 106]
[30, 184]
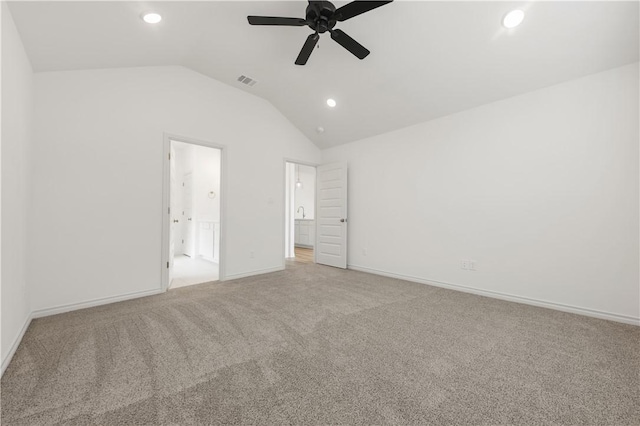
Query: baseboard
[252, 273]
[504, 296]
[39, 313]
[16, 342]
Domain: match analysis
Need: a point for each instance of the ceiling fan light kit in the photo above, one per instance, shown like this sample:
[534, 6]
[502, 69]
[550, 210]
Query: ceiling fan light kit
[322, 17]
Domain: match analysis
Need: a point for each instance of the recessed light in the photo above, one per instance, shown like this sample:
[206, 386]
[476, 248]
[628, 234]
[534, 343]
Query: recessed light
[151, 18]
[331, 102]
[513, 18]
[320, 129]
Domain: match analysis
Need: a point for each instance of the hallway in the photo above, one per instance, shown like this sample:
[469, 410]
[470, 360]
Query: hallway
[303, 255]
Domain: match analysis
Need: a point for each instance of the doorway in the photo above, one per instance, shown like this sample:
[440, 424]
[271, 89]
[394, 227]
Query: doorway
[193, 224]
[300, 210]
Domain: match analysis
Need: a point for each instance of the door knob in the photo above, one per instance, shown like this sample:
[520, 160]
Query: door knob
[175, 220]
[189, 219]
[343, 220]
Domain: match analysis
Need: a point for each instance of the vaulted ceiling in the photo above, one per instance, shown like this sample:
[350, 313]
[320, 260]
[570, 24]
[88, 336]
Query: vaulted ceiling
[428, 59]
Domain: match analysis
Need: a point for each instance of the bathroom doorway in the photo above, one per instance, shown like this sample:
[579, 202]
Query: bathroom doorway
[194, 213]
[300, 209]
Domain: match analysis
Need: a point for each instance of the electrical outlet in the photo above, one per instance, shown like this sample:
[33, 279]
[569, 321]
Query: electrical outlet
[472, 265]
[252, 254]
[464, 264]
[364, 251]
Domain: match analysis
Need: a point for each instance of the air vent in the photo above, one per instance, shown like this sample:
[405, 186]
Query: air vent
[246, 80]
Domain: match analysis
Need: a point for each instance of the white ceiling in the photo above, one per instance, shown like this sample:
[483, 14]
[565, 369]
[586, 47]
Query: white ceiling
[428, 59]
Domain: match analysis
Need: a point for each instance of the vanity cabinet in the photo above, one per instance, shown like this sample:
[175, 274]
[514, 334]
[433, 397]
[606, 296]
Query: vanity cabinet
[209, 240]
[305, 233]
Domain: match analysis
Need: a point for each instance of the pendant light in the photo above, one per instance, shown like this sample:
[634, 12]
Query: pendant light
[298, 183]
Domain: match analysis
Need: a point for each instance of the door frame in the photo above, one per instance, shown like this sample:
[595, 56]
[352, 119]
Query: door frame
[166, 203]
[284, 202]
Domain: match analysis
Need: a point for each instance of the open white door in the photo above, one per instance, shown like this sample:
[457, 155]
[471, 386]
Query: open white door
[187, 216]
[174, 209]
[331, 220]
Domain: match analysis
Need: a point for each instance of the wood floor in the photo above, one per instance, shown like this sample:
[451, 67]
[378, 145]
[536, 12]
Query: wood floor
[304, 255]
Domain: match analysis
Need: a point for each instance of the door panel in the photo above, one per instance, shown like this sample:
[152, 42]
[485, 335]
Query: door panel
[172, 198]
[188, 223]
[331, 223]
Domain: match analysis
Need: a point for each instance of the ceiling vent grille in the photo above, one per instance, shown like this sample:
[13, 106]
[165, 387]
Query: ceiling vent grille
[246, 80]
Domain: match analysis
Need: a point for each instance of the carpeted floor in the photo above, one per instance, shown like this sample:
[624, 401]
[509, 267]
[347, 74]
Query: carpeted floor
[318, 345]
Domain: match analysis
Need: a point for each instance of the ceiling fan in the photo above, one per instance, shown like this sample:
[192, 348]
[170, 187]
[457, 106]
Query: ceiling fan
[321, 17]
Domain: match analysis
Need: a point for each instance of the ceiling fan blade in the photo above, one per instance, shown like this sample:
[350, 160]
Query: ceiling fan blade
[274, 20]
[356, 8]
[307, 49]
[350, 44]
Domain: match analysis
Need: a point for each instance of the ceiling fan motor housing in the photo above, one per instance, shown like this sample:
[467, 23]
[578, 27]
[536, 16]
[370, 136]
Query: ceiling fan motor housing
[320, 16]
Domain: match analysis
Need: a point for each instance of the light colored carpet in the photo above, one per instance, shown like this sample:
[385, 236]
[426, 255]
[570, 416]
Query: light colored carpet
[317, 345]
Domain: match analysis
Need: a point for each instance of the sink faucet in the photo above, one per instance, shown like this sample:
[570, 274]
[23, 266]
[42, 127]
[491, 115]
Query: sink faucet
[298, 211]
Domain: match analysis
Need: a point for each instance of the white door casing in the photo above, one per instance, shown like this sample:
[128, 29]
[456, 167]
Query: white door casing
[166, 203]
[290, 231]
[331, 219]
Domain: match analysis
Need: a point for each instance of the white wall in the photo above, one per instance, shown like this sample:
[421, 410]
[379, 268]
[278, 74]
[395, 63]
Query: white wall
[306, 196]
[206, 179]
[17, 115]
[98, 144]
[206, 210]
[541, 190]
